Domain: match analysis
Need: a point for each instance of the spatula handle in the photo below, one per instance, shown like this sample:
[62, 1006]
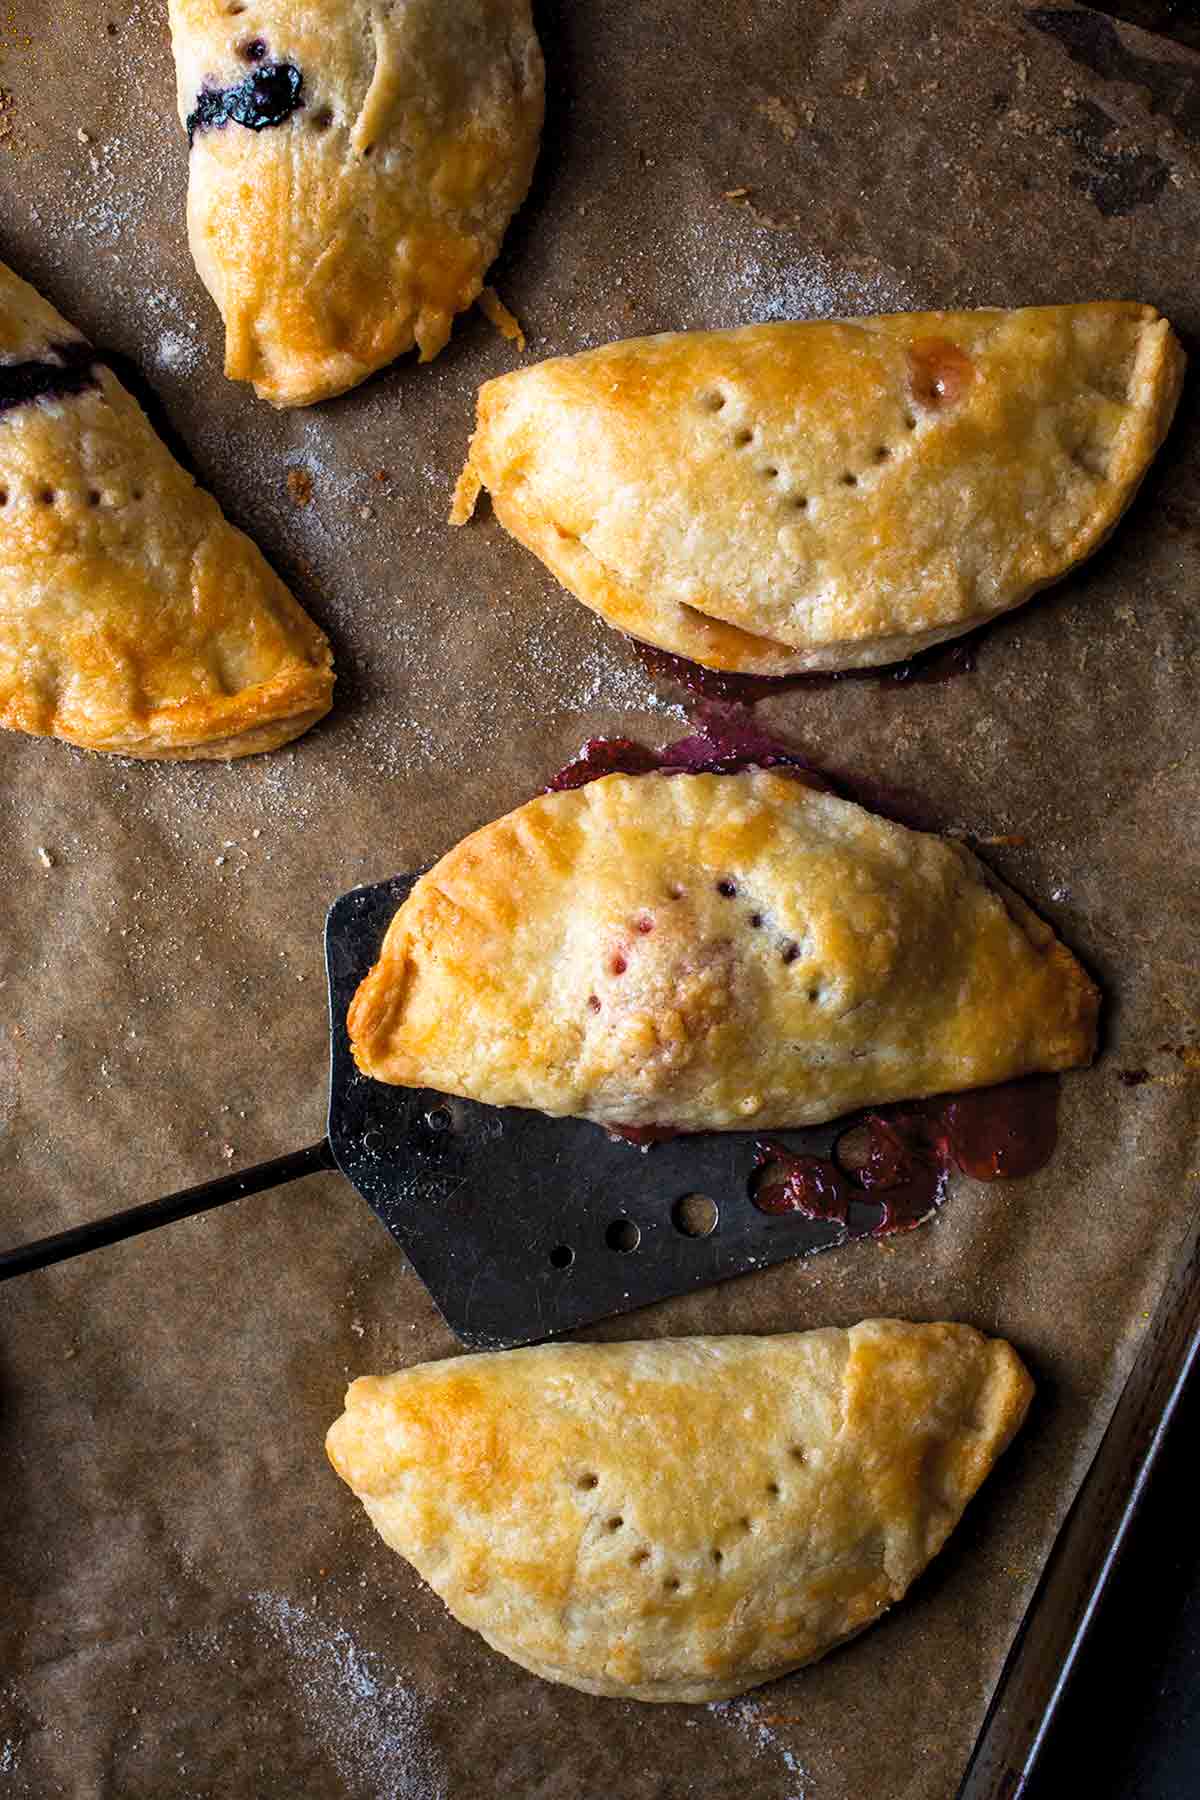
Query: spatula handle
[136, 1219]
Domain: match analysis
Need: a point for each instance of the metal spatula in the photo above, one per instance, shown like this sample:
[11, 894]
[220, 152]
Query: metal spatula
[519, 1225]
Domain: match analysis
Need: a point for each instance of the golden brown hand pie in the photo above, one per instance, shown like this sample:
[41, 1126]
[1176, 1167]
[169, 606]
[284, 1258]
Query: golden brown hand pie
[681, 1520]
[713, 952]
[352, 169]
[133, 616]
[826, 496]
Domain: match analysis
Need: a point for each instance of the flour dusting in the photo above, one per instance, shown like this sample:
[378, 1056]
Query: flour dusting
[373, 1727]
[752, 1721]
[740, 277]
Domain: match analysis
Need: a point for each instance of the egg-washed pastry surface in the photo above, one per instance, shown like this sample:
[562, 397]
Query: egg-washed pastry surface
[352, 170]
[133, 616]
[682, 1519]
[794, 497]
[713, 952]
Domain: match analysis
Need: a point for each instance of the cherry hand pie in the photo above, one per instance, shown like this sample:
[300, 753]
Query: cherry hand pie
[352, 171]
[684, 1519]
[133, 616]
[713, 952]
[796, 497]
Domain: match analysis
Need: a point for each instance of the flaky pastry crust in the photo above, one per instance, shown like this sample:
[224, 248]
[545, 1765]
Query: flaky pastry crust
[133, 616]
[360, 223]
[795, 497]
[683, 1519]
[713, 952]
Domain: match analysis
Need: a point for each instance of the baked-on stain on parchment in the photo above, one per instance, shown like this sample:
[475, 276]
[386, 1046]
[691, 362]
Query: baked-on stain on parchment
[1119, 180]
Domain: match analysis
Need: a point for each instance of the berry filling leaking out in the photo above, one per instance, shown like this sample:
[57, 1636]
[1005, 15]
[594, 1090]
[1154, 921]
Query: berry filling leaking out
[726, 742]
[943, 662]
[900, 1158]
[71, 372]
[268, 95]
[896, 1159]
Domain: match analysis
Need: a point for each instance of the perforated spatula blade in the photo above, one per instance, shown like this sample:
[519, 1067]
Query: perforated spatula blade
[520, 1226]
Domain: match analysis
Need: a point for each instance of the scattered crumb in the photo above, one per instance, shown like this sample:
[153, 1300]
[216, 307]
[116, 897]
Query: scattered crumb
[742, 193]
[44, 857]
[83, 136]
[300, 486]
[778, 113]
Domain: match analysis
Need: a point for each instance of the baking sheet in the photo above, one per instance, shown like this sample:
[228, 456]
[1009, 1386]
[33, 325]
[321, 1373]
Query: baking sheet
[190, 1602]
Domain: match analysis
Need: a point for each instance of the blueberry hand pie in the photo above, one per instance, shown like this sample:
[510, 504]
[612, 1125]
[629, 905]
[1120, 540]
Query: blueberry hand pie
[684, 1519]
[352, 170]
[713, 952]
[798, 497]
[133, 616]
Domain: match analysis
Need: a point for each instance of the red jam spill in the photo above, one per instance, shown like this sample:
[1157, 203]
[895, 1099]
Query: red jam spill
[939, 373]
[643, 1135]
[904, 1165]
[727, 740]
[942, 662]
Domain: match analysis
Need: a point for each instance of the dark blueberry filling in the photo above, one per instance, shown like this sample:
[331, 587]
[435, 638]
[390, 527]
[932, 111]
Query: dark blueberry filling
[941, 663]
[72, 372]
[267, 96]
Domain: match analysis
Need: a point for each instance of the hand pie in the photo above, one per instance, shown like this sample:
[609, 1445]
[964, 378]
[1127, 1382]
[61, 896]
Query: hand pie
[681, 1520]
[713, 952]
[352, 170]
[796, 497]
[133, 616]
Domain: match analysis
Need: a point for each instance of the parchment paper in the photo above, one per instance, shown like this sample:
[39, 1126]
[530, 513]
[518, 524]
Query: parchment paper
[190, 1602]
